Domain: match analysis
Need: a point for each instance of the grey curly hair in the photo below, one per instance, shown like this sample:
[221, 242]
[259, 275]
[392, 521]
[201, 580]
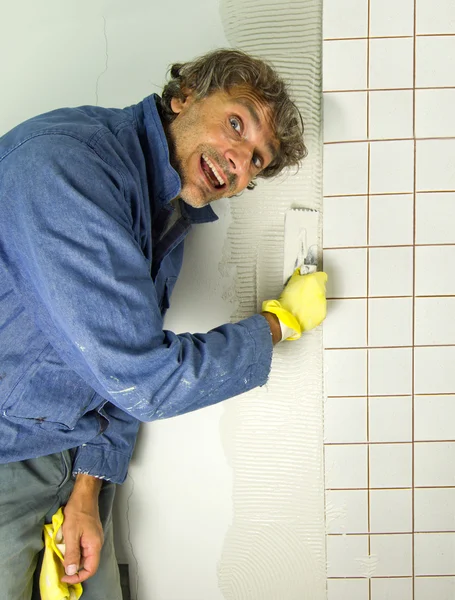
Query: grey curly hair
[225, 68]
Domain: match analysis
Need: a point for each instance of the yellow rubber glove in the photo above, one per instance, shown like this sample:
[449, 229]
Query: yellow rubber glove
[302, 304]
[50, 584]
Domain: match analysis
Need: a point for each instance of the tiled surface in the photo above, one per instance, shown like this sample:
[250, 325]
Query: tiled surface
[389, 251]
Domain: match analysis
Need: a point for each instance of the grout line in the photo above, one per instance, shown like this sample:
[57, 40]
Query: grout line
[389, 443]
[417, 487]
[388, 37]
[364, 194]
[388, 297]
[400, 139]
[442, 245]
[402, 347]
[397, 395]
[394, 89]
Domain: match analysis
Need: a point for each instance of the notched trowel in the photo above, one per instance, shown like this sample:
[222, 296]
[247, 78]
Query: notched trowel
[301, 241]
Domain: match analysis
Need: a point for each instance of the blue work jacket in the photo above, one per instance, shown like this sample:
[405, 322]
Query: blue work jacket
[87, 266]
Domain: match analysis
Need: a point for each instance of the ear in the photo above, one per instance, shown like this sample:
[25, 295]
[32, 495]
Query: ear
[179, 104]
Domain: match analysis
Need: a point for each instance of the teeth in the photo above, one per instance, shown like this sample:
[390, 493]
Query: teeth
[214, 171]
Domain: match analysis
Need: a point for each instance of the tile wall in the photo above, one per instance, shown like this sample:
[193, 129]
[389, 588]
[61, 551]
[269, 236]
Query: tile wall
[389, 250]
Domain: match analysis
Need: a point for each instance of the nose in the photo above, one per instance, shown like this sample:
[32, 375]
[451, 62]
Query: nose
[239, 159]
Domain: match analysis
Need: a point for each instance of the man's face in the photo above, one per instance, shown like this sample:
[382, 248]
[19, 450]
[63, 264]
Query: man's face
[220, 143]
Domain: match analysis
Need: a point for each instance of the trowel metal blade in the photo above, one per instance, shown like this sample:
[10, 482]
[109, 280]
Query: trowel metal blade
[301, 235]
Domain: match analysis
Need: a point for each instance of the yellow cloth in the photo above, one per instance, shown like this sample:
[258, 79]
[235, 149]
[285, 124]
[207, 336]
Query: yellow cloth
[50, 584]
[302, 304]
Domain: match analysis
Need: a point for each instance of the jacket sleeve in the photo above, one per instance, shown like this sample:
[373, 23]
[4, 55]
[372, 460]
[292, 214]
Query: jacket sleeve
[85, 280]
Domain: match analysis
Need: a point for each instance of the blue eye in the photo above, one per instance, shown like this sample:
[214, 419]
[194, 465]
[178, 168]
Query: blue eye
[235, 124]
[257, 161]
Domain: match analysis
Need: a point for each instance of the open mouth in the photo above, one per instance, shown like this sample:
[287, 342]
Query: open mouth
[212, 174]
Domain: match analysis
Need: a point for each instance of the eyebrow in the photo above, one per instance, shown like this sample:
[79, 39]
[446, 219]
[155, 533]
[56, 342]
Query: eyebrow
[257, 121]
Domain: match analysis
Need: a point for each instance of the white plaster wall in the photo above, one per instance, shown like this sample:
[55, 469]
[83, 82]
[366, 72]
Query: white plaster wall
[60, 53]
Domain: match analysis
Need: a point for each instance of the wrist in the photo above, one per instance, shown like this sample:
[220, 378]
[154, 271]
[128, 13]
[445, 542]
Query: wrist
[85, 492]
[274, 325]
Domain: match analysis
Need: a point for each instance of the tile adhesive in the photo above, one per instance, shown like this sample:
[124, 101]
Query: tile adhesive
[273, 436]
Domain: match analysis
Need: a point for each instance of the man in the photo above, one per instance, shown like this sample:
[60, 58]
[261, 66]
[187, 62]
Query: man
[95, 205]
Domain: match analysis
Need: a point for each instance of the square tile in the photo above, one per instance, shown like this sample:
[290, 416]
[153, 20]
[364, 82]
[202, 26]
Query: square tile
[345, 116]
[434, 417]
[391, 167]
[347, 273]
[345, 18]
[391, 272]
[390, 419]
[434, 553]
[345, 372]
[345, 221]
[393, 553]
[391, 114]
[345, 169]
[434, 113]
[429, 20]
[391, 589]
[434, 322]
[345, 420]
[391, 466]
[345, 555]
[435, 165]
[390, 321]
[434, 588]
[435, 61]
[345, 467]
[433, 465]
[434, 509]
[347, 511]
[391, 18]
[347, 589]
[434, 371]
[432, 263]
[390, 371]
[435, 218]
[391, 220]
[345, 65]
[346, 324]
[391, 63]
[391, 511]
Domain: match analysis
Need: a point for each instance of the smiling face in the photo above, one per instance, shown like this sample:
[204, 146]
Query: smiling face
[220, 143]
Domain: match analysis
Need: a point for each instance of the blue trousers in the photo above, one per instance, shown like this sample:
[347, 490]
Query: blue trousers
[31, 491]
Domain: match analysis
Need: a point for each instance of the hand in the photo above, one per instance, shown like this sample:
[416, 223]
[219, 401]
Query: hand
[302, 304]
[82, 530]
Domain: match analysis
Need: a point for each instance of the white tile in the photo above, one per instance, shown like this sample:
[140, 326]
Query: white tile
[391, 589]
[391, 511]
[390, 371]
[346, 467]
[391, 167]
[345, 420]
[391, 271]
[429, 20]
[393, 554]
[432, 264]
[434, 370]
[391, 63]
[345, 221]
[390, 465]
[390, 419]
[347, 589]
[435, 218]
[391, 220]
[345, 169]
[345, 555]
[345, 65]
[347, 273]
[345, 372]
[346, 324]
[345, 116]
[434, 464]
[434, 553]
[434, 113]
[434, 321]
[435, 61]
[434, 418]
[435, 165]
[391, 114]
[391, 18]
[347, 511]
[434, 509]
[390, 321]
[434, 588]
[345, 18]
